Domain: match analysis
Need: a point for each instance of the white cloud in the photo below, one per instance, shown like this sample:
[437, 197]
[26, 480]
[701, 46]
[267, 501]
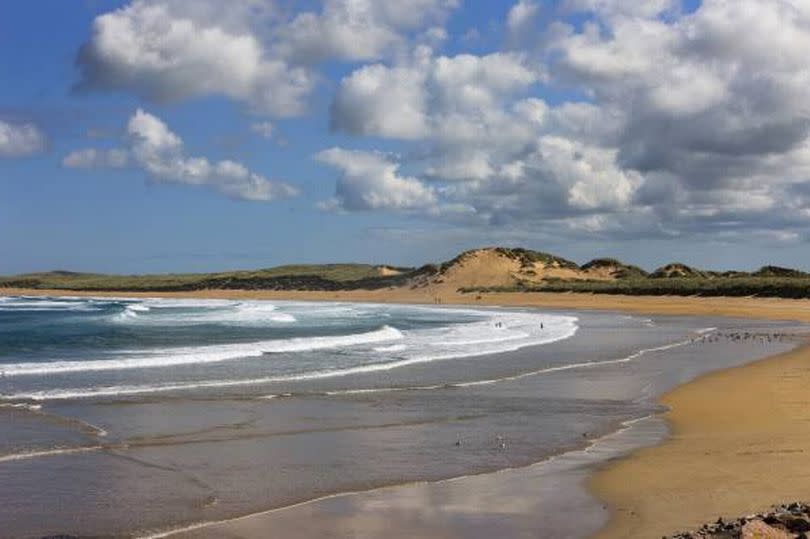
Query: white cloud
[676, 122]
[371, 181]
[20, 139]
[95, 158]
[263, 129]
[682, 122]
[520, 17]
[378, 100]
[247, 50]
[458, 95]
[590, 175]
[358, 29]
[165, 55]
[153, 147]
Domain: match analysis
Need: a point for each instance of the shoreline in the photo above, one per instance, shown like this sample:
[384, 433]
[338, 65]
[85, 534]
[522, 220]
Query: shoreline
[674, 485]
[730, 307]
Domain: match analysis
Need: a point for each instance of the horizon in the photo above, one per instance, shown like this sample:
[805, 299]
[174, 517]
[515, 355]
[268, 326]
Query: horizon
[167, 136]
[580, 263]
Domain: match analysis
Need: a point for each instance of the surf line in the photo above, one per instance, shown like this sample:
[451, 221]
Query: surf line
[546, 370]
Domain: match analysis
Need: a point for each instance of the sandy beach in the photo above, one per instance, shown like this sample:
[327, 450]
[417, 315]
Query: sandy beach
[738, 442]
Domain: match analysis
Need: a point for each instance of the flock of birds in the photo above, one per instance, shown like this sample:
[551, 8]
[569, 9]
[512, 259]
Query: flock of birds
[743, 336]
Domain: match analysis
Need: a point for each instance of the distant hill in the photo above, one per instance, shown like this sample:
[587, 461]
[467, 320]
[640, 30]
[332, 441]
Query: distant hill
[476, 270]
[289, 277]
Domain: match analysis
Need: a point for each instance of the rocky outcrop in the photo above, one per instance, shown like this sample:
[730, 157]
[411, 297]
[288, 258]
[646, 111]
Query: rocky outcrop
[789, 521]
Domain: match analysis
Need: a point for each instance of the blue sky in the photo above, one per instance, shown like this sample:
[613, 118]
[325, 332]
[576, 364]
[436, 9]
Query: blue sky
[583, 127]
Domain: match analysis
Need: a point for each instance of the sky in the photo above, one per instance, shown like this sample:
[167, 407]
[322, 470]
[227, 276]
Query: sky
[200, 135]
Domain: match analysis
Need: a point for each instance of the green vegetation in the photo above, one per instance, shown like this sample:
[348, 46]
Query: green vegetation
[528, 257]
[620, 270]
[781, 287]
[776, 271]
[676, 270]
[310, 277]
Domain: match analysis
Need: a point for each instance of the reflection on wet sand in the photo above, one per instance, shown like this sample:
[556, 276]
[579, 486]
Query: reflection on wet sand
[522, 502]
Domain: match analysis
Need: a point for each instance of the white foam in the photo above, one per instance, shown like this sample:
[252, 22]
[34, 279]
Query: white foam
[283, 318]
[170, 357]
[392, 348]
[565, 328]
[15, 304]
[48, 453]
[22, 406]
[170, 303]
[474, 332]
[545, 370]
[165, 313]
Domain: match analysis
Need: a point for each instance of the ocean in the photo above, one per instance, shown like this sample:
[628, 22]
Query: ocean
[132, 416]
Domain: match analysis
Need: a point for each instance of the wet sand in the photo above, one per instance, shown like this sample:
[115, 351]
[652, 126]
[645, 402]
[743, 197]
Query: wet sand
[739, 440]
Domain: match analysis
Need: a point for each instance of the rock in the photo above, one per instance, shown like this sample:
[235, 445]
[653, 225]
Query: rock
[757, 529]
[790, 521]
[783, 521]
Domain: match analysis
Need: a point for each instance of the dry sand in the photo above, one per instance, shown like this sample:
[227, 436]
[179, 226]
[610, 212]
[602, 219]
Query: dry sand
[740, 440]
[740, 443]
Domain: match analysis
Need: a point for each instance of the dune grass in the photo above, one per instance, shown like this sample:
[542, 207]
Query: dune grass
[780, 287]
[326, 276]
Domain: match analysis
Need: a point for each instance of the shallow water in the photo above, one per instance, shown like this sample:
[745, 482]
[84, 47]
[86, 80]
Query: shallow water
[124, 416]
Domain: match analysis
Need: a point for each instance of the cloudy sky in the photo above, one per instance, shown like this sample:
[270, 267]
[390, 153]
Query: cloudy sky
[191, 135]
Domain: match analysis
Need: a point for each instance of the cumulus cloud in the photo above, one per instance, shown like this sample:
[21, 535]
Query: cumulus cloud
[677, 123]
[248, 50]
[618, 117]
[371, 181]
[456, 95]
[359, 29]
[167, 54]
[520, 17]
[704, 113]
[154, 148]
[20, 139]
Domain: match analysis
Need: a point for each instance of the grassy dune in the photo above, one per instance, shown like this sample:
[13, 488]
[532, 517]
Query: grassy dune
[310, 277]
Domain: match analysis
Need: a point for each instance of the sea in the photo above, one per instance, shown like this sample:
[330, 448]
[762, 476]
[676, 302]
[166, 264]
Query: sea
[134, 417]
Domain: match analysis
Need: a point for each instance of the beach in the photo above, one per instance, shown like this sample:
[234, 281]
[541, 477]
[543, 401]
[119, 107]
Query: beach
[744, 456]
[739, 444]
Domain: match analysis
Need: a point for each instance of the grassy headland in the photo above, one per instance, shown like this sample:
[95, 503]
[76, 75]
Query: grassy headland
[290, 277]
